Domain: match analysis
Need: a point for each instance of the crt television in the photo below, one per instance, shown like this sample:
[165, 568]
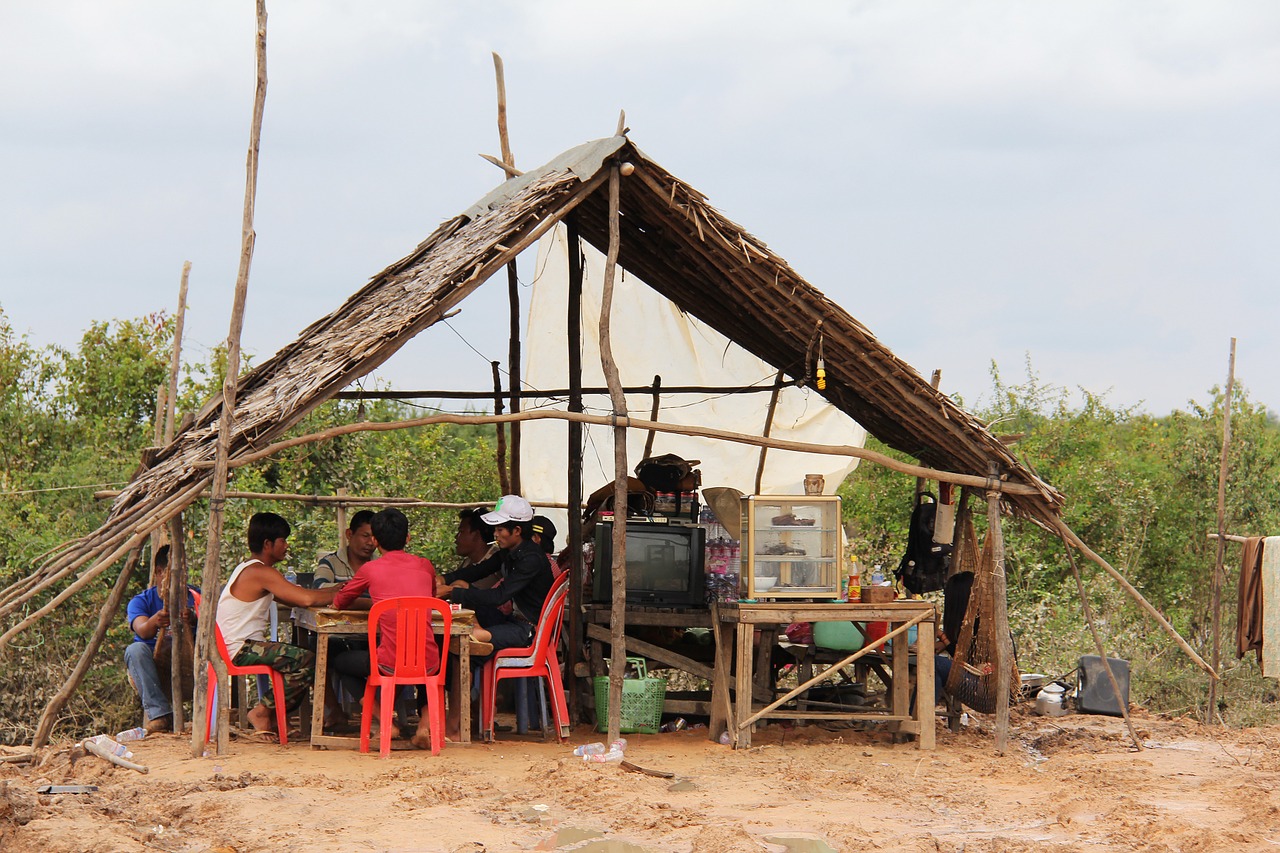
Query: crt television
[664, 564]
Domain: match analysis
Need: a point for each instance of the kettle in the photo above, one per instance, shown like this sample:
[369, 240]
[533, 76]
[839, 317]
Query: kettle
[1051, 701]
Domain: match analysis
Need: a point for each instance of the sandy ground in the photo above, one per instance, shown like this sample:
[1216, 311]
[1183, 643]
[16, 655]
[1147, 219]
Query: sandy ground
[1067, 783]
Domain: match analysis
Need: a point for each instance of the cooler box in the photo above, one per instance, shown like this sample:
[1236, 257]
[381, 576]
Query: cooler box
[1094, 694]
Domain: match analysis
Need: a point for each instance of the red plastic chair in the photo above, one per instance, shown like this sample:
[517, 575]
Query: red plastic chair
[540, 658]
[413, 615]
[277, 684]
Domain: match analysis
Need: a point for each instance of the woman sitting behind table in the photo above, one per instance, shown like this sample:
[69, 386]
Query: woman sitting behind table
[394, 574]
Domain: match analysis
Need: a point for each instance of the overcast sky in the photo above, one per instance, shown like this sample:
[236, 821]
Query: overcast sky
[1091, 185]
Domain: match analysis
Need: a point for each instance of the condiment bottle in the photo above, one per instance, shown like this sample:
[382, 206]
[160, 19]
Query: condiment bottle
[855, 579]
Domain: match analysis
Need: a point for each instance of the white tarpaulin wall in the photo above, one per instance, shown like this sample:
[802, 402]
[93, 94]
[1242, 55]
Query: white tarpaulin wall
[651, 336]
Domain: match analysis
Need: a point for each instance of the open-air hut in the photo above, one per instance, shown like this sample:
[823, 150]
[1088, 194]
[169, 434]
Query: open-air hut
[667, 234]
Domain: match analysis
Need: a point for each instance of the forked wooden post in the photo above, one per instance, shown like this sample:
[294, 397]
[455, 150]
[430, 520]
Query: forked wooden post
[653, 415]
[618, 611]
[513, 282]
[1211, 712]
[1004, 643]
[205, 647]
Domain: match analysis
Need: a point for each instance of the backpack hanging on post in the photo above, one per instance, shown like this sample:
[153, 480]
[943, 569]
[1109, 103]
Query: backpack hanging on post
[924, 565]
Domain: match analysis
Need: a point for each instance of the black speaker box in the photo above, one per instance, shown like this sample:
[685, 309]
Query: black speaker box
[1094, 694]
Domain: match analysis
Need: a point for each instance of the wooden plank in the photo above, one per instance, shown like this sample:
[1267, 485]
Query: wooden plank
[670, 658]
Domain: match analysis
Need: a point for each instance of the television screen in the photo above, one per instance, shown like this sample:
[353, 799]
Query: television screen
[664, 564]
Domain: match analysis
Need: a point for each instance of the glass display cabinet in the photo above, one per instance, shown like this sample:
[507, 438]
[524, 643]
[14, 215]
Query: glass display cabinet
[791, 546]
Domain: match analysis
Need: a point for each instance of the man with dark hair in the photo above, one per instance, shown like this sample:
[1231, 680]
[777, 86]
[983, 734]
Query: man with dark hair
[147, 617]
[358, 547]
[395, 574]
[244, 609]
[526, 578]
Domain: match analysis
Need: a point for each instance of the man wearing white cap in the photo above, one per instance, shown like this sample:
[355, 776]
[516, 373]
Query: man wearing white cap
[526, 579]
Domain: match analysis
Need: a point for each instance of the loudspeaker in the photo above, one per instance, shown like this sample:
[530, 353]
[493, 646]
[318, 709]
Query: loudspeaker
[1094, 694]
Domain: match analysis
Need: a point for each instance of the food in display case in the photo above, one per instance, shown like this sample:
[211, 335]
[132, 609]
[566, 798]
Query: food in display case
[791, 546]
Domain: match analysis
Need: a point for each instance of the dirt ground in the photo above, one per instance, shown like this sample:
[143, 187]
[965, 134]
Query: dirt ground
[1066, 783]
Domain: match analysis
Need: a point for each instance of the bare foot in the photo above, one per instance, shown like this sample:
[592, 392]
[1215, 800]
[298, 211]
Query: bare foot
[421, 739]
[262, 718]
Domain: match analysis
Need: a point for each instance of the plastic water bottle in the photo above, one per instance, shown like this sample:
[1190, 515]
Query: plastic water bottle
[612, 755]
[135, 733]
[291, 576]
[877, 576]
[109, 744]
[586, 749]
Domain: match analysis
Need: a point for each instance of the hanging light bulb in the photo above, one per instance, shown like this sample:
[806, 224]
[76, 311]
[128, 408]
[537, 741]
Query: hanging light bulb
[822, 375]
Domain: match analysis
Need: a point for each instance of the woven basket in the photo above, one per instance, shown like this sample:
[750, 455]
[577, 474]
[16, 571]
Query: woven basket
[642, 700]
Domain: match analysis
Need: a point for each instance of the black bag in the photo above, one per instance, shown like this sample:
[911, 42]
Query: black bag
[924, 566]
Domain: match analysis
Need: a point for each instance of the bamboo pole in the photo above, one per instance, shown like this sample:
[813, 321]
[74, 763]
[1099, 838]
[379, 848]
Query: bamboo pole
[618, 610]
[768, 428]
[1100, 648]
[105, 615]
[504, 478]
[1070, 536]
[577, 568]
[653, 414]
[1211, 713]
[1004, 642]
[636, 423]
[176, 600]
[1229, 537]
[205, 650]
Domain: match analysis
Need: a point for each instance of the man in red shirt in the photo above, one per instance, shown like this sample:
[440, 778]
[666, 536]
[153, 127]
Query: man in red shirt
[396, 573]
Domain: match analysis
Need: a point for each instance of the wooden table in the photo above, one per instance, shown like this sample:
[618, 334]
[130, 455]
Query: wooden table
[322, 623]
[739, 718]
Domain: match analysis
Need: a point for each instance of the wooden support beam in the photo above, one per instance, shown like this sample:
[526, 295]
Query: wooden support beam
[1215, 586]
[1000, 609]
[205, 648]
[577, 567]
[504, 473]
[618, 617]
[653, 415]
[768, 428]
[106, 614]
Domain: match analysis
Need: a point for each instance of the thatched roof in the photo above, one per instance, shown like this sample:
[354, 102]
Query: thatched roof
[671, 238]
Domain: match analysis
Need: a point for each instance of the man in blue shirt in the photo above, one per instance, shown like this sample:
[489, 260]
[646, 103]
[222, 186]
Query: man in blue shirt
[147, 617]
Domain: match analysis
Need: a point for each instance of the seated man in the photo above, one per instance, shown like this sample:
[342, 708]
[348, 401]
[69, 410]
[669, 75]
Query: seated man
[473, 541]
[147, 616]
[396, 573]
[526, 579]
[338, 567]
[244, 610]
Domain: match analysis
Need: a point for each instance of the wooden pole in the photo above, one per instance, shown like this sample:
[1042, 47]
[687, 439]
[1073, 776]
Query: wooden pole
[340, 516]
[443, 394]
[1099, 647]
[105, 616]
[175, 357]
[1211, 714]
[513, 378]
[205, 650]
[513, 283]
[921, 483]
[768, 428]
[618, 611]
[504, 474]
[1004, 642]
[653, 414]
[637, 423]
[341, 500]
[157, 535]
[176, 601]
[577, 569]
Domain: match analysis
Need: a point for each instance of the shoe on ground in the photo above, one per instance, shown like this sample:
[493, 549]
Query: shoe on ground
[159, 724]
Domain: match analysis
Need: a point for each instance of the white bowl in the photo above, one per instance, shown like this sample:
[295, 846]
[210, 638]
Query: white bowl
[765, 584]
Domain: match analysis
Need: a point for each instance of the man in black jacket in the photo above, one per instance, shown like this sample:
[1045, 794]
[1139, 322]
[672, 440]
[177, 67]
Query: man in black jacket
[525, 579]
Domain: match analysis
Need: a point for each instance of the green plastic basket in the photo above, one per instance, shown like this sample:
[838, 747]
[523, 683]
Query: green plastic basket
[642, 700]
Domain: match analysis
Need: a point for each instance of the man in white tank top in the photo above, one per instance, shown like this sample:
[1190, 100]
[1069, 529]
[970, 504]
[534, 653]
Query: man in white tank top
[244, 611]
